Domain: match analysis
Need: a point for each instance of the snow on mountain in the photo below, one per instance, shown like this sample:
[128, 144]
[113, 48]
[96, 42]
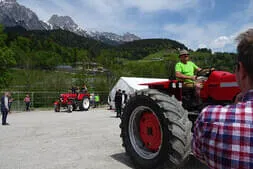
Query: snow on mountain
[127, 37]
[66, 23]
[13, 14]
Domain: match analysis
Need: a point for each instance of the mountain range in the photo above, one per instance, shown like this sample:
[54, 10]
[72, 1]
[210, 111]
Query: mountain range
[13, 14]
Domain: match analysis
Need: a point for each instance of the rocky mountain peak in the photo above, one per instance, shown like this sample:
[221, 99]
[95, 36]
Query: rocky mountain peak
[66, 23]
[128, 37]
[62, 22]
[8, 1]
[12, 14]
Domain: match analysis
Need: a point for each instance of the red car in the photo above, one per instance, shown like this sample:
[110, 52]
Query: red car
[73, 101]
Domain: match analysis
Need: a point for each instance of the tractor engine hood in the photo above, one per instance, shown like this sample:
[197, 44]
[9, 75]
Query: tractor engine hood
[222, 76]
[220, 85]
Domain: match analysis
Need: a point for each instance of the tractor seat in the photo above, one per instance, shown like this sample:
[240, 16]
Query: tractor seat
[188, 85]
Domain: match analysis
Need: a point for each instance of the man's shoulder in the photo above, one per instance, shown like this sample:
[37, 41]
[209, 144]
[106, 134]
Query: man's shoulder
[190, 62]
[179, 63]
[229, 113]
[217, 112]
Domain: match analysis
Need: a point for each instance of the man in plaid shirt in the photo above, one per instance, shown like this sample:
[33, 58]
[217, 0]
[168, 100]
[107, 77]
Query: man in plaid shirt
[223, 135]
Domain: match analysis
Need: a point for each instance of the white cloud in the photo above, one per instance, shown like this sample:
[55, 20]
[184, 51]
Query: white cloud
[103, 7]
[202, 46]
[222, 41]
[155, 5]
[106, 6]
[114, 16]
[218, 36]
[250, 8]
[243, 28]
[212, 35]
[194, 35]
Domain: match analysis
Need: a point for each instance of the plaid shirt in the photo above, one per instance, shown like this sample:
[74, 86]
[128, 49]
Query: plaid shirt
[223, 135]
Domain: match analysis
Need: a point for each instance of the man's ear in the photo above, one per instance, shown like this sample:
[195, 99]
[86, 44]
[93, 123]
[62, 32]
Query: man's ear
[242, 71]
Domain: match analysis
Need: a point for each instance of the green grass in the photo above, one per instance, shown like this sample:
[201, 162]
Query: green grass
[26, 80]
[162, 56]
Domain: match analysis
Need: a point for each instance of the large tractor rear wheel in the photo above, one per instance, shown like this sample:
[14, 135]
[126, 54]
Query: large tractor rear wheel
[155, 130]
[85, 104]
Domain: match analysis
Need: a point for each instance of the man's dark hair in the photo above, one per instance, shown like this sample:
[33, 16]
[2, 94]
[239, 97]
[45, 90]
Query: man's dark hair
[245, 51]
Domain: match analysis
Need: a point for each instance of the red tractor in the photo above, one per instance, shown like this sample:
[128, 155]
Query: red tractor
[73, 101]
[156, 125]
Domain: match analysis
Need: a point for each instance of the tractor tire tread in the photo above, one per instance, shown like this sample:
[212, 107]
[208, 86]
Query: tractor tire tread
[179, 127]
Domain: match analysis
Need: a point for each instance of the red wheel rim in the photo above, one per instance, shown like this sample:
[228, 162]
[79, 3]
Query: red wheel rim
[150, 131]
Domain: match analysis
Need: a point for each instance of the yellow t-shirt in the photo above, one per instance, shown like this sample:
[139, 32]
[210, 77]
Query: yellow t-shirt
[186, 69]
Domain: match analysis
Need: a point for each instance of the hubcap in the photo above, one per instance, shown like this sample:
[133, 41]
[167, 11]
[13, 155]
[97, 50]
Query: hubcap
[70, 108]
[150, 131]
[86, 103]
[145, 132]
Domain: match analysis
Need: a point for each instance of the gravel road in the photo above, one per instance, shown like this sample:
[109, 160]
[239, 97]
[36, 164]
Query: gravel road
[78, 140]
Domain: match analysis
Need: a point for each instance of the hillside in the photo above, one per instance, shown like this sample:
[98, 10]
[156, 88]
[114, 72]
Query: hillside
[132, 50]
[97, 64]
[61, 37]
[142, 48]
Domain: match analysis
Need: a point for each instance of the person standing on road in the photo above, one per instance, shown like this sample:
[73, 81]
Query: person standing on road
[92, 100]
[5, 108]
[223, 135]
[124, 98]
[10, 102]
[97, 100]
[27, 101]
[118, 102]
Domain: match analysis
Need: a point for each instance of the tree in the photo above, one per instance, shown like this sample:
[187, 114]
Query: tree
[6, 60]
[82, 76]
[205, 50]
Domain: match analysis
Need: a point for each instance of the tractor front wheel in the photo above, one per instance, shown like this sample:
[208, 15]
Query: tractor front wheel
[85, 104]
[155, 130]
[70, 108]
[57, 107]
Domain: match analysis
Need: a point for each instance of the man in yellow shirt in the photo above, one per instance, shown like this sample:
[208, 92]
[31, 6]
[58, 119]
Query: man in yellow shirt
[185, 69]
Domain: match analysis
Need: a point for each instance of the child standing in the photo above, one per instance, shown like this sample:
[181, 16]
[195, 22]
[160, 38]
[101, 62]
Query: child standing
[27, 101]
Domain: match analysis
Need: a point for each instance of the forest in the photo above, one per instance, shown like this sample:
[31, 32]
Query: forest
[56, 60]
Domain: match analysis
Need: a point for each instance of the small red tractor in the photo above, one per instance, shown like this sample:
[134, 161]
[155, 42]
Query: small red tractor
[156, 125]
[73, 101]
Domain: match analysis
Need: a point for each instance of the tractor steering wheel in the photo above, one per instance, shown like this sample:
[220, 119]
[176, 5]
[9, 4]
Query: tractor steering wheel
[204, 72]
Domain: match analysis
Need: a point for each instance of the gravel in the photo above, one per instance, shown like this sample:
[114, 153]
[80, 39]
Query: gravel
[78, 140]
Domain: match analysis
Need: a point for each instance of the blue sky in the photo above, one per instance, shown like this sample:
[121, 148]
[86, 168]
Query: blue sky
[196, 23]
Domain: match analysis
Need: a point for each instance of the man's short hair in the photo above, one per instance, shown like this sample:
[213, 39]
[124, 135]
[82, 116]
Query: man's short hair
[245, 51]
